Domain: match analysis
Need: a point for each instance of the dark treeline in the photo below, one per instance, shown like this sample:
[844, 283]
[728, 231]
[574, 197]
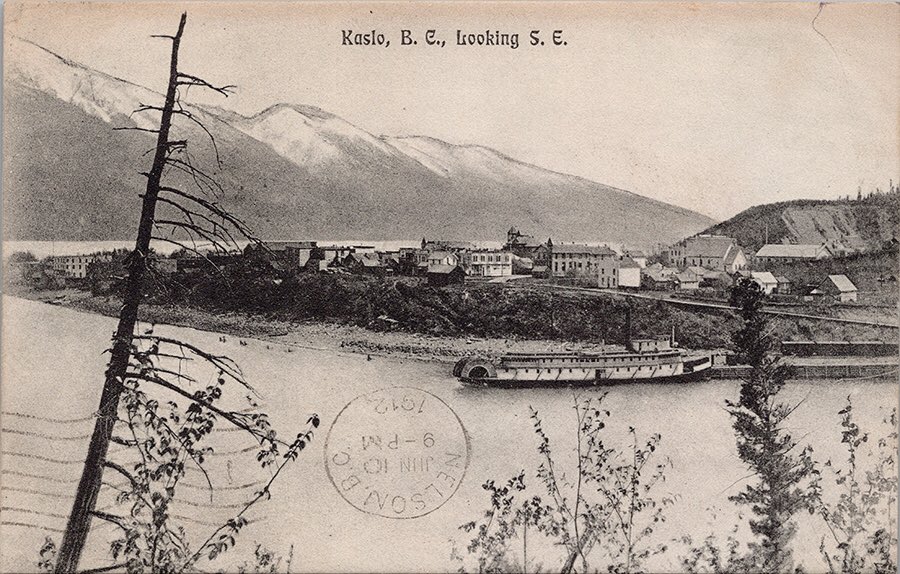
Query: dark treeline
[473, 309]
[481, 310]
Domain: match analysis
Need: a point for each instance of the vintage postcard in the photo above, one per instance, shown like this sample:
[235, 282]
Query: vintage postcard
[449, 287]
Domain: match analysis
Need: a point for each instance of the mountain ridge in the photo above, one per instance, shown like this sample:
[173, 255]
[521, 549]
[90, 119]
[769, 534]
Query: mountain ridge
[333, 178]
[846, 226]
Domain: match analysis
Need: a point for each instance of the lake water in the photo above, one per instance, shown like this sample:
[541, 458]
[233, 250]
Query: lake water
[52, 369]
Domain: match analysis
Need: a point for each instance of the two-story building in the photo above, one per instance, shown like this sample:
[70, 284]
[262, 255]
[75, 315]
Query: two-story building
[569, 258]
[442, 258]
[618, 273]
[76, 266]
[287, 255]
[488, 263]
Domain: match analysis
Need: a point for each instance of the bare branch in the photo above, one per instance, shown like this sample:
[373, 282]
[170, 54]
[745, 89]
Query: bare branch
[121, 470]
[203, 180]
[145, 108]
[189, 80]
[214, 208]
[178, 375]
[208, 235]
[224, 364]
[183, 112]
[111, 518]
[192, 250]
[218, 227]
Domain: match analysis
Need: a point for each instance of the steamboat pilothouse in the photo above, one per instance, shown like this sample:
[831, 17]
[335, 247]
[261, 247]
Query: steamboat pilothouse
[653, 360]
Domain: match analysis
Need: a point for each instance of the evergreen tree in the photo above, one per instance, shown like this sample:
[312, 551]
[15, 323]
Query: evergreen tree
[786, 480]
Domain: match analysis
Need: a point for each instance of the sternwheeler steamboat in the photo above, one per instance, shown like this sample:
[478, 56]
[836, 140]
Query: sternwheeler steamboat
[653, 360]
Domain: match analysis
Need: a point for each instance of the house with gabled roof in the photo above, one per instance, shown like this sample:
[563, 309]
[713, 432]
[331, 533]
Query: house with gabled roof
[716, 280]
[658, 278]
[766, 281]
[713, 252]
[368, 263]
[442, 258]
[687, 281]
[443, 275]
[637, 256]
[286, 255]
[839, 287]
[521, 244]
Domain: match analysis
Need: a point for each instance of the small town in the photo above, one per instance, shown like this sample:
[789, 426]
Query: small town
[702, 266]
[620, 298]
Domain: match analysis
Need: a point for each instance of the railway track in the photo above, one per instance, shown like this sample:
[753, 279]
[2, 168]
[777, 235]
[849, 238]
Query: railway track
[698, 304]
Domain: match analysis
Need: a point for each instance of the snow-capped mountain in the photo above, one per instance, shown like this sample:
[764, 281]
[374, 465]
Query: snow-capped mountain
[292, 171]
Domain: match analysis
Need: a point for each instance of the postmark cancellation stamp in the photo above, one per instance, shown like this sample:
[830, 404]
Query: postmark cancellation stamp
[398, 452]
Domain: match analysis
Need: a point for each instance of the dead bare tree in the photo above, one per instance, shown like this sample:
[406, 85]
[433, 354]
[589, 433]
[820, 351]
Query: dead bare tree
[200, 217]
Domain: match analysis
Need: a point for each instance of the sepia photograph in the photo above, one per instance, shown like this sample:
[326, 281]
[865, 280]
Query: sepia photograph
[499, 287]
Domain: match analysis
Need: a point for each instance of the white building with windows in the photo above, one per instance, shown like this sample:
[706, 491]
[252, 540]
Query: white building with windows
[442, 258]
[488, 263]
[76, 266]
[618, 273]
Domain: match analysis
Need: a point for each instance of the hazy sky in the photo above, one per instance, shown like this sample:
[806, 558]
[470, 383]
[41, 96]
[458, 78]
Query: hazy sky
[714, 107]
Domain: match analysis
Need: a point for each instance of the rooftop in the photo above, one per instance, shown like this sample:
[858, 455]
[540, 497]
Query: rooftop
[709, 246]
[807, 251]
[843, 283]
[582, 249]
[442, 269]
[764, 276]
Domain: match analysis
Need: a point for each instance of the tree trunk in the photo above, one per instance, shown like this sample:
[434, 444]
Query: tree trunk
[79, 522]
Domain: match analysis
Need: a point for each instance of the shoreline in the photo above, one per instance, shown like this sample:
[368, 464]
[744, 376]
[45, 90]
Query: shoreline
[351, 339]
[323, 336]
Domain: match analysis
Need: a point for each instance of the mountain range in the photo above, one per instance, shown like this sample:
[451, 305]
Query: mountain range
[291, 171]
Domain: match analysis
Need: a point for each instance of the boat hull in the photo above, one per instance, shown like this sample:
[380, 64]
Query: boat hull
[596, 382]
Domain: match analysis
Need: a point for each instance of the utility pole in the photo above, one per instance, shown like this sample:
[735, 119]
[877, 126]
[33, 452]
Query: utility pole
[79, 522]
